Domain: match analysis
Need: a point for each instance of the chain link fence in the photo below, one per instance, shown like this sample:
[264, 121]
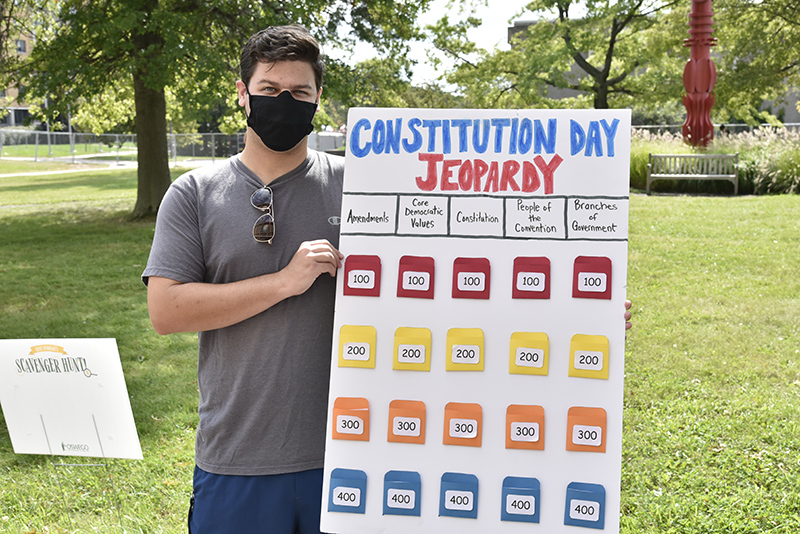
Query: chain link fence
[730, 128]
[121, 148]
[201, 147]
[36, 145]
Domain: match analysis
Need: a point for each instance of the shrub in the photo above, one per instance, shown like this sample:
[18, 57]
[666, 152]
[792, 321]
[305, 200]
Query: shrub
[769, 160]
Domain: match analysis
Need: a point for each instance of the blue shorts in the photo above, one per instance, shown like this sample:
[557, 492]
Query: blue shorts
[273, 504]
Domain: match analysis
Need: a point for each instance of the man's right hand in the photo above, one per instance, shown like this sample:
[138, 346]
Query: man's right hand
[312, 259]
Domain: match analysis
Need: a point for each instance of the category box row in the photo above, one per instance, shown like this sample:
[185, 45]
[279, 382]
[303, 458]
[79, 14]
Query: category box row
[477, 215]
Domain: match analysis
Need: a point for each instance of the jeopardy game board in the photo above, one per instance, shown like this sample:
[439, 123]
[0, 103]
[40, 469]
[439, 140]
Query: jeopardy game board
[478, 354]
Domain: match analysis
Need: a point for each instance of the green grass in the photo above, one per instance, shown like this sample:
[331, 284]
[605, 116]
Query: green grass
[11, 166]
[712, 434]
[70, 265]
[712, 394]
[93, 189]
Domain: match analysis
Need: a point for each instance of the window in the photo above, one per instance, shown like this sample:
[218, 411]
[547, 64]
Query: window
[22, 46]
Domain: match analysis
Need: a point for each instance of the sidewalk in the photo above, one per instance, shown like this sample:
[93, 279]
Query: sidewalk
[90, 166]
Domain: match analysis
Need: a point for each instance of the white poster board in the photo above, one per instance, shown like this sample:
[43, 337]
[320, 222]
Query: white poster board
[67, 397]
[478, 352]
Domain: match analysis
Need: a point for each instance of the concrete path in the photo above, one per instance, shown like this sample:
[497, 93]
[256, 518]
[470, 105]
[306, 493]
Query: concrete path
[96, 166]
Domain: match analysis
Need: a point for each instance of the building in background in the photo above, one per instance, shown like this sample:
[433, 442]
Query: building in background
[16, 110]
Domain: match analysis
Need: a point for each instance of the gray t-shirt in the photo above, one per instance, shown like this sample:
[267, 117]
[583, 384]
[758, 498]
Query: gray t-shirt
[263, 382]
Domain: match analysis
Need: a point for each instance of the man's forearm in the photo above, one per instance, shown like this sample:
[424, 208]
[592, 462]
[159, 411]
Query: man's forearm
[198, 307]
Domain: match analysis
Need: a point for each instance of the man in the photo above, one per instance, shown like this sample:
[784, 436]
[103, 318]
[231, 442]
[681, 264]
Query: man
[237, 256]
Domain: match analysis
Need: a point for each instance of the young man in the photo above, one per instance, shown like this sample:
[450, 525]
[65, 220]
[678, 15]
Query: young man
[238, 254]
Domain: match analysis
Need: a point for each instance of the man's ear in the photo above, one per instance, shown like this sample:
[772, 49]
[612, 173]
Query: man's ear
[319, 97]
[241, 90]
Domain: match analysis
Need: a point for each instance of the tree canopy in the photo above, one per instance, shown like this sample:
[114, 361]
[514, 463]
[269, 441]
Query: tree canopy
[628, 53]
[100, 52]
[757, 55]
[575, 54]
[147, 62]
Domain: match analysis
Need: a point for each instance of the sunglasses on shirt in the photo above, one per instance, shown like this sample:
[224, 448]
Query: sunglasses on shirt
[264, 228]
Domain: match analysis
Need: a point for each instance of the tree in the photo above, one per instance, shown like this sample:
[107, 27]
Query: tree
[606, 53]
[630, 53]
[756, 56]
[189, 47]
[386, 82]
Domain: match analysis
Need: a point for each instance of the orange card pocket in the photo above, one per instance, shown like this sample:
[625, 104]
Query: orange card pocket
[525, 427]
[351, 418]
[463, 424]
[407, 421]
[586, 429]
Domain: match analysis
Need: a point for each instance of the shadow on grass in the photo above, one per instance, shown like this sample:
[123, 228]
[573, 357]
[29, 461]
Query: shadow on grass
[102, 180]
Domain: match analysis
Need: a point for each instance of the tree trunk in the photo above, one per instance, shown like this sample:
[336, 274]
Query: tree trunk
[153, 157]
[601, 96]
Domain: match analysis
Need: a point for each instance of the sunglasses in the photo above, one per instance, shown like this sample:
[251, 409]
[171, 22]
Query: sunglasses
[264, 228]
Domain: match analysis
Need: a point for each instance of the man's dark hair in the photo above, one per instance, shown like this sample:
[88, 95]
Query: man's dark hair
[281, 43]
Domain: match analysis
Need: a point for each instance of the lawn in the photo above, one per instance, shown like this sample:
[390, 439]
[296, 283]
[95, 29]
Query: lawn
[712, 395]
[71, 263]
[712, 433]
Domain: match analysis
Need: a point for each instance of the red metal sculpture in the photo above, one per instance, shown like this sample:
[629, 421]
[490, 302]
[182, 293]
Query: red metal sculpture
[699, 76]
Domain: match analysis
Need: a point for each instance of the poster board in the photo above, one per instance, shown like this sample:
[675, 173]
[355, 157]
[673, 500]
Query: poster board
[67, 397]
[478, 353]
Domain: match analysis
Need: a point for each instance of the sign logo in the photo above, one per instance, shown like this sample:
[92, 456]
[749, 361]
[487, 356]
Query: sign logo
[52, 359]
[74, 447]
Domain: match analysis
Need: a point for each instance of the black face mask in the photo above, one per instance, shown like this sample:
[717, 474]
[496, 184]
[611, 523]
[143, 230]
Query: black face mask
[280, 121]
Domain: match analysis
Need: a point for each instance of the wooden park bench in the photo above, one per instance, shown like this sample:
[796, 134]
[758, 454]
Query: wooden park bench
[694, 167]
